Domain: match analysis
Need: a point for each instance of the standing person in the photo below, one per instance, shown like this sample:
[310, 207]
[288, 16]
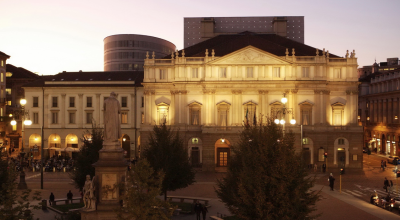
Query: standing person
[331, 181]
[386, 184]
[69, 196]
[384, 164]
[51, 199]
[324, 167]
[204, 211]
[197, 208]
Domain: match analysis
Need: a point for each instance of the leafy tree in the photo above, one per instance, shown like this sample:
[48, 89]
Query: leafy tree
[15, 204]
[142, 187]
[266, 178]
[166, 153]
[88, 155]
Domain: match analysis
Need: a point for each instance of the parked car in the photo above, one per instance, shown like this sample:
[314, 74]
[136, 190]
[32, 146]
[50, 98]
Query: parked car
[393, 160]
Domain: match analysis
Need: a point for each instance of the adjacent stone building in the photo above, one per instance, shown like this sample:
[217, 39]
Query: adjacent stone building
[67, 104]
[3, 101]
[379, 106]
[206, 91]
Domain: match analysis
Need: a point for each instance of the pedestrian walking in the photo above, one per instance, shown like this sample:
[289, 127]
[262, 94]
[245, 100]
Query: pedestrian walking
[51, 199]
[197, 209]
[384, 165]
[69, 196]
[324, 167]
[386, 184]
[204, 211]
[331, 181]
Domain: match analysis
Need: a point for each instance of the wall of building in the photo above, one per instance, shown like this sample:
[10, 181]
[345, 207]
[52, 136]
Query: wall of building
[124, 52]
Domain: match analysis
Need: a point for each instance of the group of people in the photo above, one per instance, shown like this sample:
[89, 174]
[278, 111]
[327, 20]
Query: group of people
[52, 197]
[316, 167]
[200, 209]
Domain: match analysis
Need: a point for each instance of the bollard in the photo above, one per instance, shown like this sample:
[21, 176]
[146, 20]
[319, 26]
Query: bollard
[33, 169]
[44, 204]
[64, 169]
[54, 169]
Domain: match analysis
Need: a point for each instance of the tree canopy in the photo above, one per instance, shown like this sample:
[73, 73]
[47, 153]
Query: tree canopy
[167, 153]
[142, 187]
[88, 155]
[266, 178]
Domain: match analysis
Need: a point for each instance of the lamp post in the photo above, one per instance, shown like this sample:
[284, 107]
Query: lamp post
[282, 113]
[25, 121]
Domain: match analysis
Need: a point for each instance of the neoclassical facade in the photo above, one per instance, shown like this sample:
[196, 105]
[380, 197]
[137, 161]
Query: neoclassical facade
[208, 91]
[379, 108]
[67, 104]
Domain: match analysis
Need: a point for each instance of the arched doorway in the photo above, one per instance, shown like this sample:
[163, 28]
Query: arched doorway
[71, 145]
[125, 143]
[222, 152]
[54, 145]
[308, 151]
[195, 151]
[35, 142]
[341, 152]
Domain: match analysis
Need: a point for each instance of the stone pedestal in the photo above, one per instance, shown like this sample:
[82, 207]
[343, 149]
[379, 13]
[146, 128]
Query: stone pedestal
[110, 173]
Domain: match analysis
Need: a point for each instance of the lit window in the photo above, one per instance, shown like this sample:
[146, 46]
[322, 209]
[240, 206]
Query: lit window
[222, 72]
[305, 72]
[195, 140]
[163, 74]
[8, 91]
[277, 72]
[305, 141]
[195, 73]
[124, 118]
[249, 71]
[8, 74]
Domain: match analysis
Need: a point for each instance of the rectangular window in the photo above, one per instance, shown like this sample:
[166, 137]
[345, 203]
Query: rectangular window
[195, 117]
[89, 117]
[337, 73]
[337, 120]
[55, 102]
[8, 103]
[277, 72]
[142, 102]
[305, 117]
[222, 72]
[341, 141]
[124, 102]
[321, 153]
[72, 117]
[8, 91]
[124, 118]
[163, 74]
[35, 118]
[35, 102]
[72, 102]
[163, 115]
[54, 118]
[305, 72]
[195, 73]
[249, 72]
[14, 127]
[89, 102]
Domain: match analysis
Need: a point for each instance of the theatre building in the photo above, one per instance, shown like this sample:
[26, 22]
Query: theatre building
[206, 90]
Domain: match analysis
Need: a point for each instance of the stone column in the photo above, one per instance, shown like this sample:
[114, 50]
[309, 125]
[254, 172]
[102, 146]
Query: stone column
[384, 112]
[213, 109]
[390, 111]
[348, 107]
[152, 107]
[173, 108]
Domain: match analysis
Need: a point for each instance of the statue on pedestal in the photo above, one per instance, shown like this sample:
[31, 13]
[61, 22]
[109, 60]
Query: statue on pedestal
[89, 198]
[112, 127]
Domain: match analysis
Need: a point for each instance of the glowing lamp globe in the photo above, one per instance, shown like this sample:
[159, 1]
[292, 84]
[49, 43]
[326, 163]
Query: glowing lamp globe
[284, 100]
[293, 121]
[27, 122]
[276, 121]
[282, 121]
[13, 122]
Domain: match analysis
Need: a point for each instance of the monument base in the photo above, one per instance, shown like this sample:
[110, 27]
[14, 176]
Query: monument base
[110, 173]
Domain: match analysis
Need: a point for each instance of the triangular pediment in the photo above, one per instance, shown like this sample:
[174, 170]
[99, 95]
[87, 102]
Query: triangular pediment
[250, 55]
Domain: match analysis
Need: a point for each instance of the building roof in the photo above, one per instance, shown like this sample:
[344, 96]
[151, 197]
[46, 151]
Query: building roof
[272, 43]
[92, 79]
[20, 73]
[373, 75]
[3, 54]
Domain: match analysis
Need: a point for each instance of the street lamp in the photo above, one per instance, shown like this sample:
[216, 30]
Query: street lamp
[282, 113]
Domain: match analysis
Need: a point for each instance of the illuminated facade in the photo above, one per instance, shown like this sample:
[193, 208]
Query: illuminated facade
[206, 91]
[379, 106]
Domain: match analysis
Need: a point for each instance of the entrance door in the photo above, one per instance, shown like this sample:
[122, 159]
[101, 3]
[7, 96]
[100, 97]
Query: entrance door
[306, 156]
[195, 156]
[341, 155]
[222, 157]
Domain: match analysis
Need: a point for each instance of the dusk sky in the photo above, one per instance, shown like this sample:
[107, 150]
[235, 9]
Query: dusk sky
[51, 36]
